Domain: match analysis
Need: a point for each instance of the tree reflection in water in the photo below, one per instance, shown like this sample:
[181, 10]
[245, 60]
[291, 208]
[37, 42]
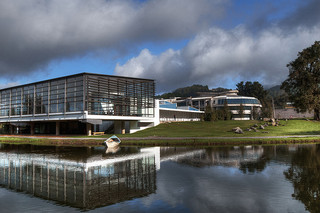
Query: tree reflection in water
[304, 173]
[253, 167]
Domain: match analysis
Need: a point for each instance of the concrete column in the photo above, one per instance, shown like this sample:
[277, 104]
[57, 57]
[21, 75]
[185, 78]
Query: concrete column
[89, 129]
[32, 128]
[57, 128]
[119, 127]
[156, 113]
[10, 129]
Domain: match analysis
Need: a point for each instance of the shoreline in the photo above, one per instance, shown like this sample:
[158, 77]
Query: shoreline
[163, 141]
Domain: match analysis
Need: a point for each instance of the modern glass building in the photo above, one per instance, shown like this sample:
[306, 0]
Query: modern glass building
[250, 106]
[235, 102]
[77, 104]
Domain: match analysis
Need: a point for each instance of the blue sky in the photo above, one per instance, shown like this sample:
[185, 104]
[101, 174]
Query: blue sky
[176, 42]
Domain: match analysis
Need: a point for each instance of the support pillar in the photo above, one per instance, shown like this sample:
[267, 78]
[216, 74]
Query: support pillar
[119, 127]
[89, 129]
[11, 129]
[32, 128]
[57, 128]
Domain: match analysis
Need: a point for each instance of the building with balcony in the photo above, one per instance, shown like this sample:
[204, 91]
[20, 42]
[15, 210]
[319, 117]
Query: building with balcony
[78, 104]
[233, 101]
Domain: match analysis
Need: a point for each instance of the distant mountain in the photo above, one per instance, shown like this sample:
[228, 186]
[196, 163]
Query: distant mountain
[186, 91]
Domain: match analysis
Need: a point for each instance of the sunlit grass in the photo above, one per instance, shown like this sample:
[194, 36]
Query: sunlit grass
[223, 129]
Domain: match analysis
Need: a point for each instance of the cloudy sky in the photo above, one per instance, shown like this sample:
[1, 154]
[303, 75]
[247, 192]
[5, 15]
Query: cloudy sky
[176, 42]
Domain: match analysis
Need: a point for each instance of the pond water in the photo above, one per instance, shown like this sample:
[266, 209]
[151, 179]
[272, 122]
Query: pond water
[131, 179]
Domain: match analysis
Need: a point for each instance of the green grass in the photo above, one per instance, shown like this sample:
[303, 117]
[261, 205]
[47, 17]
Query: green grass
[194, 129]
[223, 129]
[200, 129]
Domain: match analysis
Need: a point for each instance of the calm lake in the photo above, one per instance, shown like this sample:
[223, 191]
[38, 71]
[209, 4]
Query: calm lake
[223, 179]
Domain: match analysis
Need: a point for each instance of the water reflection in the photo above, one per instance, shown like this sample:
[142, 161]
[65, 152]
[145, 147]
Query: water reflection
[85, 178]
[304, 173]
[219, 179]
[226, 156]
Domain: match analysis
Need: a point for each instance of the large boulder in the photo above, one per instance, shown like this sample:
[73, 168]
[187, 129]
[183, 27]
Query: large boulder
[239, 131]
[235, 129]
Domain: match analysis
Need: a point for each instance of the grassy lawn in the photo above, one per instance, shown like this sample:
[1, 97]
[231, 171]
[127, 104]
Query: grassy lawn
[223, 129]
[197, 129]
[194, 129]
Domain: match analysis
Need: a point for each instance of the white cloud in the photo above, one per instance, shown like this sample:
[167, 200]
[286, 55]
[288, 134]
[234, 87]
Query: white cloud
[216, 57]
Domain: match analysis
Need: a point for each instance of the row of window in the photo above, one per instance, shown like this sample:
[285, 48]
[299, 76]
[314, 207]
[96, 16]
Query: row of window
[64, 95]
[238, 101]
[104, 96]
[118, 96]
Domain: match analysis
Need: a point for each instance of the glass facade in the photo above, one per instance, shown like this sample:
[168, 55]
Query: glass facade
[238, 101]
[110, 95]
[97, 94]
[238, 107]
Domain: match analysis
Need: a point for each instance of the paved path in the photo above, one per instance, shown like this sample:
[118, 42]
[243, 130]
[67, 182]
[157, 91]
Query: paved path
[158, 138]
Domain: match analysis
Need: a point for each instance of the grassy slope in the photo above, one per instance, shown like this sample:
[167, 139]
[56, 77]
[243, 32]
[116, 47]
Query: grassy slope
[200, 129]
[222, 129]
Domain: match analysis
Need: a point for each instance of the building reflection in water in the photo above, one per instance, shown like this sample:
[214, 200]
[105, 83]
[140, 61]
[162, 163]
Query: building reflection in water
[86, 183]
[225, 156]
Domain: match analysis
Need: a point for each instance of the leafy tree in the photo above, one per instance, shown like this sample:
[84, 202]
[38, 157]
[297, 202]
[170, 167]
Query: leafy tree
[226, 111]
[254, 89]
[254, 113]
[220, 114]
[241, 111]
[208, 113]
[214, 116]
[303, 82]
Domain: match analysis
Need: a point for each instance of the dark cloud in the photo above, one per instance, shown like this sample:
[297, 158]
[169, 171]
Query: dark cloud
[308, 16]
[33, 33]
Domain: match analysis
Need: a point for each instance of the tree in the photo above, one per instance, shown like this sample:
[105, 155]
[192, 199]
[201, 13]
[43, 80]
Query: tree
[254, 113]
[303, 82]
[226, 111]
[241, 111]
[219, 113]
[207, 113]
[254, 89]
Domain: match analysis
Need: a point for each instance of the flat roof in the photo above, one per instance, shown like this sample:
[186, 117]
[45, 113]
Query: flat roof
[234, 97]
[74, 75]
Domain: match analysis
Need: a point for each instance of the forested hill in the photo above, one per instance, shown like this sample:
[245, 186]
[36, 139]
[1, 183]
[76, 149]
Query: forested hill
[186, 91]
